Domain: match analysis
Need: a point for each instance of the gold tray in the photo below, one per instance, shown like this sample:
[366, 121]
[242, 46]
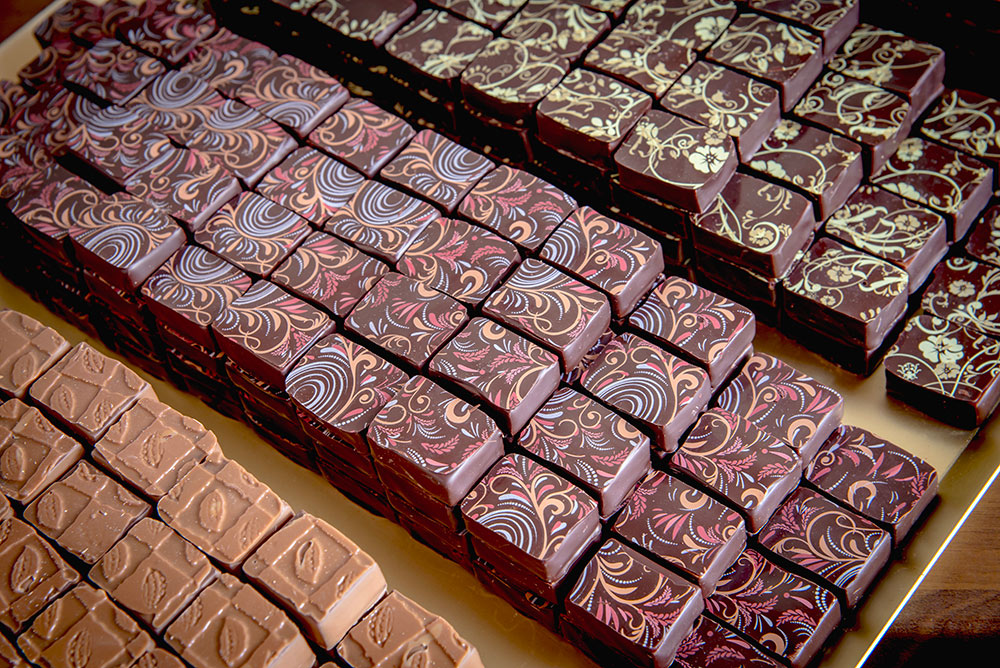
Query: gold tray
[967, 462]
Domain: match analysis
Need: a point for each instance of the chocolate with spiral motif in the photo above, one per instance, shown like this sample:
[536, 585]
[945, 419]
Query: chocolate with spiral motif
[116, 141]
[21, 163]
[226, 60]
[112, 72]
[831, 20]
[167, 30]
[363, 135]
[969, 122]
[60, 25]
[178, 103]
[710, 643]
[311, 184]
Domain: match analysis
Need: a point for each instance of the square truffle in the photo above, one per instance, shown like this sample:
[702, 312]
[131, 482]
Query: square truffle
[27, 350]
[363, 135]
[983, 244]
[116, 141]
[875, 477]
[965, 292]
[831, 20]
[510, 375]
[406, 319]
[508, 78]
[320, 576]
[178, 103]
[153, 573]
[589, 444]
[311, 184]
[651, 65]
[85, 512]
[691, 23]
[683, 528]
[709, 640]
[655, 390]
[33, 453]
[366, 23]
[489, 13]
[167, 30]
[565, 28]
[223, 509]
[436, 47]
[111, 72]
[226, 60]
[843, 549]
[969, 122]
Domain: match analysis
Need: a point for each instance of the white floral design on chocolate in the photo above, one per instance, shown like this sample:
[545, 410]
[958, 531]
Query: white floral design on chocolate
[595, 105]
[966, 292]
[884, 58]
[662, 145]
[439, 44]
[967, 121]
[855, 109]
[818, 157]
[766, 48]
[719, 98]
[691, 23]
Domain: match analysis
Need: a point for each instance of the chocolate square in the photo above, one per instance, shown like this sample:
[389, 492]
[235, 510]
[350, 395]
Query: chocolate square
[111, 72]
[116, 141]
[983, 245]
[178, 103]
[167, 30]
[778, 610]
[691, 23]
[709, 640]
[362, 21]
[59, 25]
[655, 390]
[845, 550]
[33, 453]
[945, 370]
[226, 60]
[326, 581]
[27, 350]
[651, 65]
[311, 184]
[490, 13]
[967, 121]
[682, 527]
[518, 206]
[22, 162]
[965, 292]
[565, 28]
[363, 135]
[508, 78]
[831, 20]
[437, 47]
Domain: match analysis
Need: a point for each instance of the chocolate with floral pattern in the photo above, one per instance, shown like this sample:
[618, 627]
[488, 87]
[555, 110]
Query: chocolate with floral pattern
[624, 604]
[969, 122]
[589, 115]
[436, 47]
[21, 163]
[111, 72]
[879, 479]
[655, 390]
[589, 444]
[368, 23]
[510, 375]
[167, 30]
[755, 224]
[178, 103]
[697, 325]
[489, 13]
[785, 56]
[565, 28]
[651, 65]
[966, 292]
[226, 60]
[948, 371]
[780, 611]
[784, 402]
[59, 26]
[116, 141]
[983, 243]
[711, 644]
[311, 184]
[845, 550]
[551, 308]
[508, 78]
[825, 167]
[831, 20]
[952, 183]
[683, 527]
[363, 135]
[518, 206]
[691, 23]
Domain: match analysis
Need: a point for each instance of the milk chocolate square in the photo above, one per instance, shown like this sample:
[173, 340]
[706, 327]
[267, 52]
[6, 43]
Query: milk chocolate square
[153, 573]
[321, 577]
[967, 121]
[965, 292]
[111, 72]
[224, 510]
[363, 135]
[509, 77]
[983, 244]
[651, 65]
[27, 350]
[562, 27]
[311, 184]
[86, 391]
[691, 23]
[10, 655]
[157, 657]
[710, 640]
[33, 453]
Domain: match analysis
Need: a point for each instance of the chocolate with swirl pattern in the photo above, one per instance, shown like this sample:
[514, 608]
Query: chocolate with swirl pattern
[650, 64]
[226, 60]
[683, 527]
[969, 122]
[983, 244]
[46, 68]
[624, 603]
[266, 330]
[116, 141]
[845, 550]
[363, 135]
[60, 24]
[711, 645]
[659, 392]
[508, 78]
[167, 30]
[966, 292]
[691, 23]
[565, 28]
[111, 72]
[490, 13]
[311, 184]
[178, 103]
[437, 47]
[21, 162]
[369, 23]
[831, 20]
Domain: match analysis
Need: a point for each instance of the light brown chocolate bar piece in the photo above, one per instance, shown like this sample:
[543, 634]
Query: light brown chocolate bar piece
[27, 349]
[87, 391]
[153, 573]
[33, 453]
[157, 658]
[399, 633]
[86, 512]
[84, 628]
[224, 510]
[231, 625]
[152, 446]
[5, 510]
[32, 574]
[320, 576]
[10, 657]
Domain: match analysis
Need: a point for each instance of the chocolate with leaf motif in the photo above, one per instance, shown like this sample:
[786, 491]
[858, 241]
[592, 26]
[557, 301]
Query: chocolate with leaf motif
[652, 388]
[831, 20]
[889, 227]
[311, 184]
[983, 245]
[648, 64]
[682, 527]
[879, 479]
[966, 292]
[369, 24]
[510, 375]
[967, 121]
[363, 135]
[948, 371]
[178, 103]
[27, 350]
[780, 611]
[33, 453]
[167, 30]
[784, 402]
[625, 605]
[46, 68]
[111, 71]
[710, 642]
[845, 550]
[489, 13]
[226, 60]
[564, 28]
[691, 23]
[954, 184]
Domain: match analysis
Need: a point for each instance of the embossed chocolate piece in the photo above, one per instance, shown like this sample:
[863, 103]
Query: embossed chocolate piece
[907, 235]
[967, 121]
[590, 114]
[839, 546]
[490, 13]
[509, 77]
[153, 446]
[624, 603]
[111, 72]
[398, 631]
[11, 656]
[224, 510]
[179, 104]
[381, 220]
[652, 388]
[683, 527]
[363, 135]
[591, 445]
[311, 184]
[27, 350]
[231, 624]
[651, 65]
[167, 30]
[831, 20]
[158, 658]
[320, 575]
[983, 244]
[696, 324]
[691, 23]
[711, 642]
[518, 206]
[32, 574]
[778, 610]
[946, 370]
[965, 292]
[33, 453]
[266, 330]
[951, 183]
[84, 623]
[85, 512]
[437, 47]
[87, 391]
[784, 402]
[565, 28]
[368, 23]
[226, 60]
[879, 479]
[153, 573]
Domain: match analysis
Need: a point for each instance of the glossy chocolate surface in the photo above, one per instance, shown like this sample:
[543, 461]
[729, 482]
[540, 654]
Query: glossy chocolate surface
[112, 72]
[33, 453]
[490, 13]
[311, 184]
[969, 122]
[710, 642]
[652, 65]
[33, 573]
[565, 28]
[226, 60]
[983, 244]
[438, 46]
[508, 77]
[363, 135]
[27, 350]
[967, 293]
[365, 22]
[691, 23]
[178, 103]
